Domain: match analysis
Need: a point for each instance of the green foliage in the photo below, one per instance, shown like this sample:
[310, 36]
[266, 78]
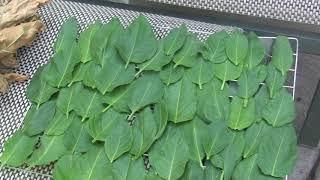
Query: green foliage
[117, 104]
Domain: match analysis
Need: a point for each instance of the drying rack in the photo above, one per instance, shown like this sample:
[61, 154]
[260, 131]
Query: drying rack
[14, 104]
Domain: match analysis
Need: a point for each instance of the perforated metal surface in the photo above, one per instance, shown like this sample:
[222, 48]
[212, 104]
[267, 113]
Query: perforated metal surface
[303, 11]
[13, 105]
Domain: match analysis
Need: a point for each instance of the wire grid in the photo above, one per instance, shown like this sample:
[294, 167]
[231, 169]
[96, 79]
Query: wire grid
[14, 104]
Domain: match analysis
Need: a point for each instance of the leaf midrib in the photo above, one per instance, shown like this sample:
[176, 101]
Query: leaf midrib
[278, 112]
[276, 158]
[94, 165]
[175, 119]
[174, 41]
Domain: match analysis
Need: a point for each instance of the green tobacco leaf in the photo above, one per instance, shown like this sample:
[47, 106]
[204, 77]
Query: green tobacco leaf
[274, 80]
[118, 99]
[261, 99]
[249, 170]
[102, 124]
[280, 110]
[39, 91]
[118, 140]
[249, 81]
[161, 118]
[37, 119]
[59, 124]
[189, 54]
[104, 39]
[169, 155]
[226, 71]
[201, 73]
[66, 97]
[144, 132]
[232, 155]
[114, 74]
[17, 149]
[194, 133]
[137, 44]
[237, 47]
[181, 101]
[213, 103]
[64, 168]
[241, 117]
[58, 72]
[175, 40]
[282, 55]
[170, 75]
[125, 168]
[278, 152]
[253, 137]
[67, 35]
[51, 149]
[76, 139]
[146, 90]
[255, 51]
[216, 139]
[211, 173]
[86, 72]
[88, 102]
[159, 60]
[193, 171]
[93, 165]
[214, 47]
[86, 41]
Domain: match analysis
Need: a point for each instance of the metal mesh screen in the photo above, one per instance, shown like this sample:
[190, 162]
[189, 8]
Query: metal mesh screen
[13, 104]
[288, 10]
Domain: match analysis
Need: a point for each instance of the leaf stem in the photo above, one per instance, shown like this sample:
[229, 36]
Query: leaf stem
[131, 115]
[222, 86]
[83, 118]
[245, 102]
[106, 109]
[127, 64]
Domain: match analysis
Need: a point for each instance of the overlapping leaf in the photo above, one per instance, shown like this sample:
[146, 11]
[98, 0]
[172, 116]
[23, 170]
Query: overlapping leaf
[255, 51]
[125, 168]
[175, 40]
[274, 80]
[282, 55]
[201, 73]
[214, 47]
[237, 47]
[241, 117]
[171, 74]
[226, 71]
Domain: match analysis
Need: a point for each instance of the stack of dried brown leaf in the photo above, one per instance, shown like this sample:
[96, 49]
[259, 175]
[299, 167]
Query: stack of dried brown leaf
[18, 27]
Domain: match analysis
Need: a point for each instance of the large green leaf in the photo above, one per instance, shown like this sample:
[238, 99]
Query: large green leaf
[280, 110]
[274, 80]
[241, 117]
[118, 140]
[161, 116]
[253, 137]
[201, 73]
[175, 40]
[76, 139]
[181, 100]
[249, 81]
[169, 155]
[144, 132]
[93, 165]
[125, 168]
[101, 124]
[226, 71]
[159, 60]
[249, 170]
[39, 91]
[137, 44]
[17, 149]
[213, 103]
[261, 99]
[194, 133]
[86, 41]
[37, 119]
[282, 53]
[214, 47]
[88, 102]
[170, 75]
[118, 99]
[67, 35]
[189, 54]
[278, 151]
[237, 47]
[59, 124]
[113, 74]
[51, 149]
[86, 72]
[146, 90]
[64, 168]
[58, 72]
[255, 51]
[216, 139]
[66, 98]
[193, 171]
